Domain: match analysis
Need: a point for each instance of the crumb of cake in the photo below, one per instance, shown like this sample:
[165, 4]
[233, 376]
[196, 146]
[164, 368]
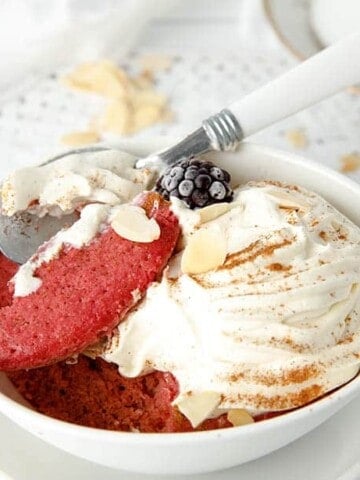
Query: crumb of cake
[297, 138]
[350, 162]
[8, 268]
[132, 102]
[354, 90]
[77, 139]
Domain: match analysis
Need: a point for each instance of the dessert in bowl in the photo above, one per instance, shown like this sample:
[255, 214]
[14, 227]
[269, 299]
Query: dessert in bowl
[305, 380]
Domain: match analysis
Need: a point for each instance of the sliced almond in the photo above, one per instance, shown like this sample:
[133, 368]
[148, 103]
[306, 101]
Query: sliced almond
[102, 77]
[287, 200]
[146, 115]
[76, 139]
[133, 103]
[198, 406]
[117, 117]
[213, 211]
[147, 97]
[205, 251]
[131, 222]
[239, 416]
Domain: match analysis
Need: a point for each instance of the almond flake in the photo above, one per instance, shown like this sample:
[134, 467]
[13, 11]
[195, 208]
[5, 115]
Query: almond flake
[131, 222]
[213, 211]
[76, 139]
[132, 102]
[239, 416]
[197, 407]
[102, 77]
[206, 250]
[287, 200]
[117, 117]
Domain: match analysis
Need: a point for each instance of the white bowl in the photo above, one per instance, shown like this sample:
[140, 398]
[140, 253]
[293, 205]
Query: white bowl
[190, 453]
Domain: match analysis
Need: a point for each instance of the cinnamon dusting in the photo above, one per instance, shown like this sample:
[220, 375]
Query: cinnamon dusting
[250, 253]
[280, 402]
[289, 344]
[290, 377]
[275, 183]
[278, 267]
[348, 339]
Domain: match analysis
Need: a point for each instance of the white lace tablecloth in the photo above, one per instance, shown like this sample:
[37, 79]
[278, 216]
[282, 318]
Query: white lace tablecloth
[35, 115]
[206, 74]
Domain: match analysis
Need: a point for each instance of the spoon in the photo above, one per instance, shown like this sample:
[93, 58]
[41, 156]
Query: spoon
[319, 77]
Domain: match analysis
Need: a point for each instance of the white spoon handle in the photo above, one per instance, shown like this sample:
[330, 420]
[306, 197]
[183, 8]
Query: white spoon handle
[310, 82]
[319, 77]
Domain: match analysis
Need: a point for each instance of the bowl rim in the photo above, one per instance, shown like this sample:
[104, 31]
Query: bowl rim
[348, 390]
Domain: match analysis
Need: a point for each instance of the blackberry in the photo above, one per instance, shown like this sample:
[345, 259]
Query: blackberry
[198, 183]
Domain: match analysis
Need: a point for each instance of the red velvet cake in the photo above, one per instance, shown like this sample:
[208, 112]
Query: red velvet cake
[93, 393]
[84, 293]
[7, 270]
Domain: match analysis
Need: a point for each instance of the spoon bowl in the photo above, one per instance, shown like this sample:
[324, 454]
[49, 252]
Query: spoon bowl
[23, 233]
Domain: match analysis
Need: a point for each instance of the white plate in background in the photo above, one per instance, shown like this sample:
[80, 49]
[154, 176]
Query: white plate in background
[290, 20]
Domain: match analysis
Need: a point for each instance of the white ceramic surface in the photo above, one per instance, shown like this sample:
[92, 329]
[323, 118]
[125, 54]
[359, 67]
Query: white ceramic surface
[333, 20]
[4, 476]
[214, 450]
[291, 23]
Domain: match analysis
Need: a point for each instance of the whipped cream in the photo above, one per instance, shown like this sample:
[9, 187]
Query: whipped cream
[62, 186]
[102, 181]
[272, 328]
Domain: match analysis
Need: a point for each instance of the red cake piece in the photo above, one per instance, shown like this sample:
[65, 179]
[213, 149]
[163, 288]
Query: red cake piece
[93, 393]
[7, 270]
[84, 294]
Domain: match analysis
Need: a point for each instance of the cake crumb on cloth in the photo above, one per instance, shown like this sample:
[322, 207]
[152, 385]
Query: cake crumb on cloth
[354, 90]
[350, 162]
[297, 138]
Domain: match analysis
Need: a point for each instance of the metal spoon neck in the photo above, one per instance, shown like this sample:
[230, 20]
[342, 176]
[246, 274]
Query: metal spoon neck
[219, 132]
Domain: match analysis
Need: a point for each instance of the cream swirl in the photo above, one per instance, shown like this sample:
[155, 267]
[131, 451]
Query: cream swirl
[272, 328]
[97, 183]
[60, 187]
